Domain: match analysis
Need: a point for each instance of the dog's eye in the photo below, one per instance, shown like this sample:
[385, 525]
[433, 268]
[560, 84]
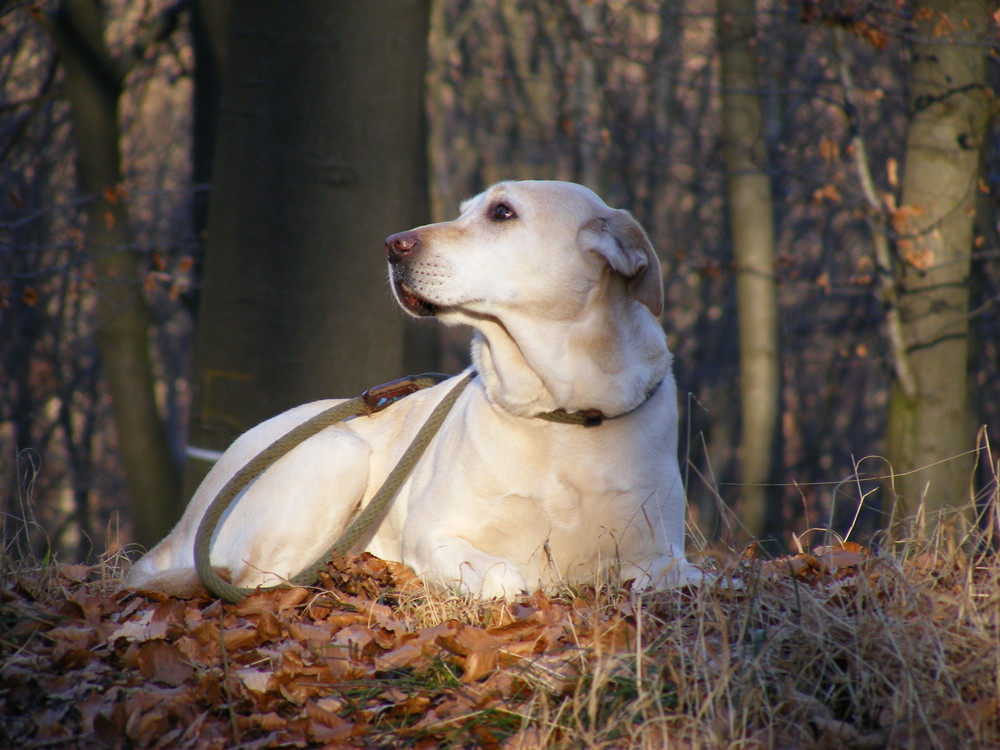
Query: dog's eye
[502, 212]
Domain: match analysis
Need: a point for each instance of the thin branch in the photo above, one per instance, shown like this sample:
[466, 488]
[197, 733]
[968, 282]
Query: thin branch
[888, 284]
[34, 104]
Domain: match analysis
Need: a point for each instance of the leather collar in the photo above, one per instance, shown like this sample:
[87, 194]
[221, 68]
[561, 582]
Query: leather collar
[592, 417]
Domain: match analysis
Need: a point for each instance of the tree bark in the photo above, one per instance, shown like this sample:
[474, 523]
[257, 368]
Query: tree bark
[209, 27]
[751, 217]
[93, 85]
[930, 432]
[320, 156]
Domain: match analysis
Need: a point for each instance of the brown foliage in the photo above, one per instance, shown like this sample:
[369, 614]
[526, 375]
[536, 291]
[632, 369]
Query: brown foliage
[836, 647]
[288, 666]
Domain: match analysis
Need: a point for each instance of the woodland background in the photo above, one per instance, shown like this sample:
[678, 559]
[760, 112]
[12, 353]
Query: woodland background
[194, 197]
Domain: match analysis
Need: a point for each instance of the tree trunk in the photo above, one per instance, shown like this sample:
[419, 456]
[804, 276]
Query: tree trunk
[93, 85]
[752, 230]
[320, 156]
[930, 431]
[209, 27]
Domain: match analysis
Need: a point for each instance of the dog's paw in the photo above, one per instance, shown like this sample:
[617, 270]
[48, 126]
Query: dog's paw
[665, 574]
[501, 580]
[456, 564]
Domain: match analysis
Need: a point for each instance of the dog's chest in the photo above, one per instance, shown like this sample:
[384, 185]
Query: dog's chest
[563, 479]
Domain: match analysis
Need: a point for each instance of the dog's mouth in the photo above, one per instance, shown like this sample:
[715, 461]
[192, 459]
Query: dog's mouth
[412, 302]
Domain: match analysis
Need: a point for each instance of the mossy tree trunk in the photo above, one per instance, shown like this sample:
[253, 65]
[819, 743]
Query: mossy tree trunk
[930, 428]
[93, 86]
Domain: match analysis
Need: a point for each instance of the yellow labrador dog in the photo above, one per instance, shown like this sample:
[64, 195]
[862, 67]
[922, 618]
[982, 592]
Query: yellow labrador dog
[563, 294]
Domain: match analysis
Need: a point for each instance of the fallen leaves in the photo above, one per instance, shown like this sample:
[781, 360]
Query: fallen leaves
[370, 659]
[826, 563]
[293, 666]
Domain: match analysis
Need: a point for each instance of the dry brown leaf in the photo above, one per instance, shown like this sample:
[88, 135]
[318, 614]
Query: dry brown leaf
[478, 664]
[517, 630]
[256, 680]
[463, 640]
[143, 628]
[842, 559]
[407, 655]
[325, 725]
[270, 721]
[239, 638]
[272, 600]
[74, 652]
[159, 661]
[310, 632]
[354, 639]
[269, 627]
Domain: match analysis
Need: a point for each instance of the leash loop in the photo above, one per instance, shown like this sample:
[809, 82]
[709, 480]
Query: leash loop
[374, 400]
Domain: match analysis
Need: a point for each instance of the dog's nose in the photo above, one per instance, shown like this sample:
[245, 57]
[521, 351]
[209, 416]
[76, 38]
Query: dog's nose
[399, 246]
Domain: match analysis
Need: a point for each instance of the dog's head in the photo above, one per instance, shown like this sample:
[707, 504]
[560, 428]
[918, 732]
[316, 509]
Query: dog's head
[561, 289]
[537, 247]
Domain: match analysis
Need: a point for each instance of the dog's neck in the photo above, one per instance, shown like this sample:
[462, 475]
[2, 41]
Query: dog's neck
[582, 365]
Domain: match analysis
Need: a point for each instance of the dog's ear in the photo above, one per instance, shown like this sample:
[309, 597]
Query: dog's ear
[618, 238]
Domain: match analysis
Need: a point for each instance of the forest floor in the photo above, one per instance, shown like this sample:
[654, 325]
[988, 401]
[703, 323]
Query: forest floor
[838, 647]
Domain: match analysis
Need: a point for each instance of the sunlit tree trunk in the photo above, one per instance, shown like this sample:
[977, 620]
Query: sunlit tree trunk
[321, 155]
[93, 86]
[930, 428]
[752, 231]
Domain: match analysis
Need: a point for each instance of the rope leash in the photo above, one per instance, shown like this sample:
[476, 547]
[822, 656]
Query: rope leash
[371, 401]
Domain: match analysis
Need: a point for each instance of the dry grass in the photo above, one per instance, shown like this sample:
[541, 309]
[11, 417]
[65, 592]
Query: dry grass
[895, 649]
[839, 648]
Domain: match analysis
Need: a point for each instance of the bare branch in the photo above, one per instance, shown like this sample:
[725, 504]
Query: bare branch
[888, 284]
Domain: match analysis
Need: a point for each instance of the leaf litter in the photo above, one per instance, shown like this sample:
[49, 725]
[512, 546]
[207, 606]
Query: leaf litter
[835, 647]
